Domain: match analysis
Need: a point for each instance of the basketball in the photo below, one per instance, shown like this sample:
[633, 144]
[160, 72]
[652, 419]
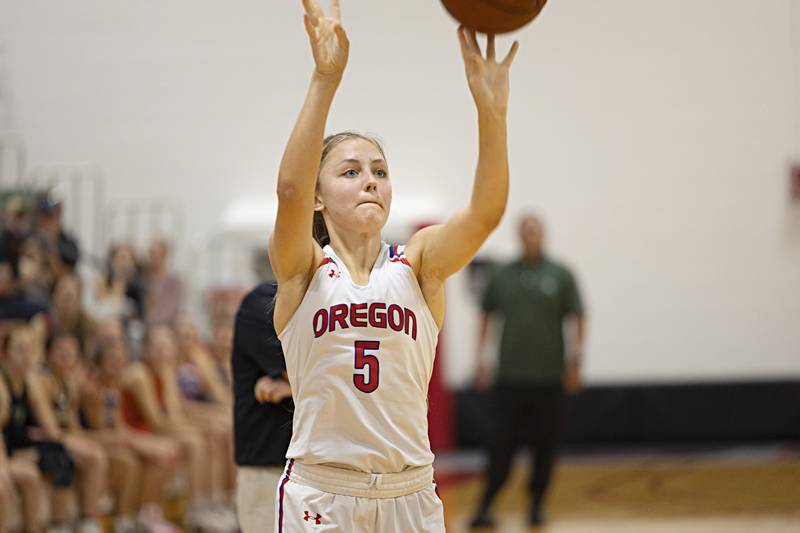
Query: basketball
[494, 16]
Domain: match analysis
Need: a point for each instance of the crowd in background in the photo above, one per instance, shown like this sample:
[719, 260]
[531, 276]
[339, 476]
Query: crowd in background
[109, 397]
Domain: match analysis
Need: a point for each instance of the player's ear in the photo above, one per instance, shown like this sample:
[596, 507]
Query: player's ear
[318, 205]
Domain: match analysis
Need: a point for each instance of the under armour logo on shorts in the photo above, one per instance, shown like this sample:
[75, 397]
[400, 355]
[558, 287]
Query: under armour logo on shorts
[316, 519]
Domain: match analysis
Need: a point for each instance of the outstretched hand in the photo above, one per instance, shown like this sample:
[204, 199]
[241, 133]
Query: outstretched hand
[488, 79]
[329, 42]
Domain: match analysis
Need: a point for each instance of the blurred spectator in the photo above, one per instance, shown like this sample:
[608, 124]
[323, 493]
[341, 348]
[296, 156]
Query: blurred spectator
[35, 279]
[61, 383]
[66, 314]
[207, 404]
[30, 434]
[198, 376]
[16, 228]
[141, 463]
[164, 288]
[120, 292]
[62, 251]
[16, 304]
[18, 474]
[533, 295]
[152, 402]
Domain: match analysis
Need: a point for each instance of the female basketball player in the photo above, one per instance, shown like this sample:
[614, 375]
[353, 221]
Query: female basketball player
[359, 319]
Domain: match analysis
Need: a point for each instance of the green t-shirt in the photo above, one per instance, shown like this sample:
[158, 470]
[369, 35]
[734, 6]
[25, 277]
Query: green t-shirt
[532, 298]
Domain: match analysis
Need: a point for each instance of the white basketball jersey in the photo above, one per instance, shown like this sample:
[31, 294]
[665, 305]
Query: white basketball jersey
[359, 360]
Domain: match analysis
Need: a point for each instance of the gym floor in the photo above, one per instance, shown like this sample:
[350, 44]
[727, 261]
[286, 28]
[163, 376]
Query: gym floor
[732, 489]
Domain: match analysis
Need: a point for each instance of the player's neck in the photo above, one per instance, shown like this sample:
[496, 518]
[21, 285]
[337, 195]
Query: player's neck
[359, 253]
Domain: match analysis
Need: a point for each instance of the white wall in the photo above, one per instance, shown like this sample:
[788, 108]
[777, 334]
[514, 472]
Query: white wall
[654, 136]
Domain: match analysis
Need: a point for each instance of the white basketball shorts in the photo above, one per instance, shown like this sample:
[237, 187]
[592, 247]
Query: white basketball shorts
[322, 498]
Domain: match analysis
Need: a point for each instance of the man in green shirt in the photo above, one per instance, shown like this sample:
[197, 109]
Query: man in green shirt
[533, 296]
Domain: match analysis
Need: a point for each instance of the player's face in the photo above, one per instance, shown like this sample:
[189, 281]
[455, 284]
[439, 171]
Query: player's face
[354, 191]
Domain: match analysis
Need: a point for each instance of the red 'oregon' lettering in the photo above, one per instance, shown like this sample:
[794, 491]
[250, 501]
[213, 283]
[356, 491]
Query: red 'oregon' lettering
[361, 315]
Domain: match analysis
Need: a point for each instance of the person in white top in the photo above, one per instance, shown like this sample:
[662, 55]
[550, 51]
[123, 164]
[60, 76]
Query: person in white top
[358, 318]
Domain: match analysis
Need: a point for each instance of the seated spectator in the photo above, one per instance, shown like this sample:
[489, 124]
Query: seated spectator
[146, 461]
[16, 227]
[207, 403]
[152, 402]
[35, 278]
[66, 314]
[107, 330]
[119, 293]
[61, 249]
[164, 288]
[15, 304]
[18, 475]
[61, 382]
[30, 434]
[198, 376]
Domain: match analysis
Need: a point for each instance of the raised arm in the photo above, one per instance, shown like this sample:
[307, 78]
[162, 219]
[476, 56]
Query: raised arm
[438, 251]
[292, 248]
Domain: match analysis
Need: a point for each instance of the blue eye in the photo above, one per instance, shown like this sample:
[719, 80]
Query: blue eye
[351, 173]
[380, 173]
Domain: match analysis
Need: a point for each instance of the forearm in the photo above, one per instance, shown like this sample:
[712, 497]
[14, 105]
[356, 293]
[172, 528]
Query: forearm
[580, 338]
[490, 190]
[300, 164]
[483, 330]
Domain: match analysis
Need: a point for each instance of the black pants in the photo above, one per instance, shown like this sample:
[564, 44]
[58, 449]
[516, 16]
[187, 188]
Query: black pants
[524, 414]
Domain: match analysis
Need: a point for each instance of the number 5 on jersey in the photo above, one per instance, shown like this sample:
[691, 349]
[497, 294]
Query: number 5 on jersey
[367, 382]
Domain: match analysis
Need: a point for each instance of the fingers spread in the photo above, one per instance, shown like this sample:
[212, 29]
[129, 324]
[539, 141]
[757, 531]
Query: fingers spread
[336, 11]
[490, 47]
[511, 54]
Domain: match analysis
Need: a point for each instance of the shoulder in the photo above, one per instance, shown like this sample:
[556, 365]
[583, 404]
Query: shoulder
[258, 302]
[558, 268]
[415, 248]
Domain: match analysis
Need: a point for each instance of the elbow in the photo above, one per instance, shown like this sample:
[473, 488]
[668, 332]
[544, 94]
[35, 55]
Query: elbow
[489, 221]
[287, 191]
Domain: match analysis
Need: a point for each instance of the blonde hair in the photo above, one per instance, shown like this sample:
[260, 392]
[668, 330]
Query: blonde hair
[320, 229]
